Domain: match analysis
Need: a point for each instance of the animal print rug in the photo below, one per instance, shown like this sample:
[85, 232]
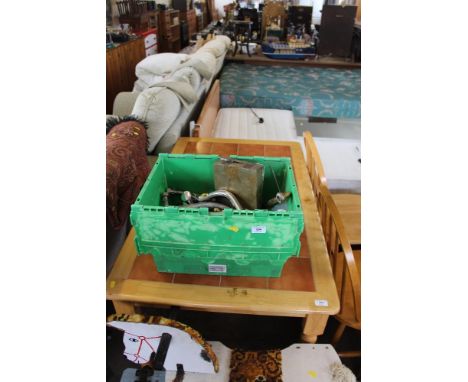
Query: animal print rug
[255, 366]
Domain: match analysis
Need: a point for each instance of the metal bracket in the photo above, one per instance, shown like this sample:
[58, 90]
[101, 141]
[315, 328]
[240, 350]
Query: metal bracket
[154, 372]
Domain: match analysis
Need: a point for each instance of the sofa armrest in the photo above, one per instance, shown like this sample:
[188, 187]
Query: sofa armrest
[124, 102]
[170, 138]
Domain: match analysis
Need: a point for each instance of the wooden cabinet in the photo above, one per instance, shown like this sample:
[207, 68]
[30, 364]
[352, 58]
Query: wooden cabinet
[200, 25]
[336, 30]
[191, 18]
[120, 68]
[137, 14]
[169, 31]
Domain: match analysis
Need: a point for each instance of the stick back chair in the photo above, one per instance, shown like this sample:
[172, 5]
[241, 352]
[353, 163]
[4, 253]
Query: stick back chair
[349, 205]
[346, 264]
[314, 164]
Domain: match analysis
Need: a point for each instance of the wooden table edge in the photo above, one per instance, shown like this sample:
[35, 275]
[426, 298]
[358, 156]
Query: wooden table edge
[220, 299]
[182, 143]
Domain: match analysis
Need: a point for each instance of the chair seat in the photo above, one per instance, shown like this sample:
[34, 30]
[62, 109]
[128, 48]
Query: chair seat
[349, 206]
[346, 314]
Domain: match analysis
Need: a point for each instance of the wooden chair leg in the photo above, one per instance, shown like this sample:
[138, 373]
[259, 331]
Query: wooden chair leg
[338, 334]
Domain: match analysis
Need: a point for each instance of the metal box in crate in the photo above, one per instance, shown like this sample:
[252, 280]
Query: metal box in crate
[231, 242]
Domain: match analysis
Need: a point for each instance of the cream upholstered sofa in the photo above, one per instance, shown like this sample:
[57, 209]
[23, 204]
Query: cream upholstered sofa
[168, 108]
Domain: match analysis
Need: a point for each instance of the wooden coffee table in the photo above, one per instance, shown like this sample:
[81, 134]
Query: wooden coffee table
[305, 289]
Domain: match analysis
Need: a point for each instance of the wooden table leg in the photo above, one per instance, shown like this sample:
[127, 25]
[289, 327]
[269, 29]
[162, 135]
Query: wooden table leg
[313, 326]
[123, 307]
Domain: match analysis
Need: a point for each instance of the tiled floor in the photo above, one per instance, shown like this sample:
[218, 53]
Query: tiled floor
[237, 331]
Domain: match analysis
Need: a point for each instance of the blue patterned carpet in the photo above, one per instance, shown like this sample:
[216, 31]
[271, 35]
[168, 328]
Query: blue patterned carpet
[307, 91]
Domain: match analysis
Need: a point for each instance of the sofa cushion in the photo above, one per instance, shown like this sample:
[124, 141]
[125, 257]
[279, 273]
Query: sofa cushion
[153, 68]
[216, 47]
[160, 63]
[187, 74]
[225, 39]
[158, 107]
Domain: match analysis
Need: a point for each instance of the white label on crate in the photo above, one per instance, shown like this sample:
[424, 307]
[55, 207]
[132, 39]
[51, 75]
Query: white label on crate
[219, 268]
[321, 302]
[259, 229]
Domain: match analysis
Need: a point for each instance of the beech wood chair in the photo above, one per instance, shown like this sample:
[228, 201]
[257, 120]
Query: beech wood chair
[349, 205]
[346, 266]
[314, 163]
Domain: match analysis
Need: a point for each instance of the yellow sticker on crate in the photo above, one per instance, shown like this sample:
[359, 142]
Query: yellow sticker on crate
[233, 228]
[312, 373]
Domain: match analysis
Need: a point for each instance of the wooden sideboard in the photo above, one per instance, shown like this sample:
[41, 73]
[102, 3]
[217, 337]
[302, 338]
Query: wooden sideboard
[169, 31]
[120, 68]
[191, 18]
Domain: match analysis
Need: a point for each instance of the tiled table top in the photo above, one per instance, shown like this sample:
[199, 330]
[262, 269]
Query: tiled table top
[306, 284]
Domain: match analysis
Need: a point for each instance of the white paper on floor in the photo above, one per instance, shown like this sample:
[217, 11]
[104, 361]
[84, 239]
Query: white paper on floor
[300, 363]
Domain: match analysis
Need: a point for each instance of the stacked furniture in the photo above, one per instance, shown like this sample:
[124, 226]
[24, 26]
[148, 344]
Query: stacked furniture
[200, 24]
[336, 30]
[137, 15]
[274, 18]
[169, 31]
[168, 109]
[300, 15]
[250, 14]
[190, 17]
[204, 12]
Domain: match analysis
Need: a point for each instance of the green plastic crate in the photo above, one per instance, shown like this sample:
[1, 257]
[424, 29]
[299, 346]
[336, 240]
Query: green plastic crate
[232, 242]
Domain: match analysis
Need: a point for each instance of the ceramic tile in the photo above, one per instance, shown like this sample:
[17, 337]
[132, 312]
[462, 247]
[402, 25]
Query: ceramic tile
[190, 148]
[296, 275]
[277, 151]
[144, 268]
[224, 149]
[244, 282]
[200, 148]
[252, 150]
[304, 253]
[181, 278]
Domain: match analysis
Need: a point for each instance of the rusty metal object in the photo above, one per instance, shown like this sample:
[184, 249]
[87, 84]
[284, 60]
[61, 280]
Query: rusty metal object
[279, 198]
[243, 179]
